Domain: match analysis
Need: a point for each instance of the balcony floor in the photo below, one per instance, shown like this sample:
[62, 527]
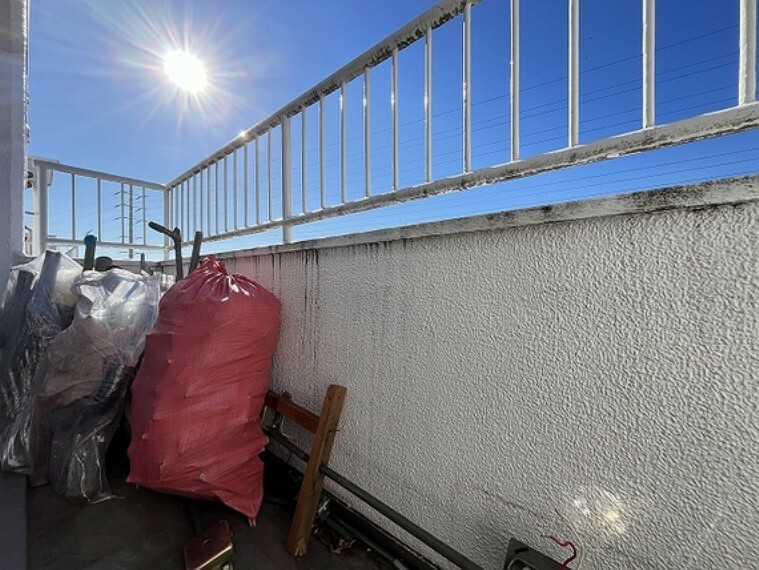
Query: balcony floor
[144, 529]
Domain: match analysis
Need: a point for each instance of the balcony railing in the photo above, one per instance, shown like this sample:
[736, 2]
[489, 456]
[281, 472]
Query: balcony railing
[273, 175]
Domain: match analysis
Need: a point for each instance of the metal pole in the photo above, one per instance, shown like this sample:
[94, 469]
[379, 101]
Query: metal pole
[649, 58]
[100, 209]
[436, 544]
[216, 196]
[303, 161]
[226, 193]
[246, 189]
[258, 182]
[269, 162]
[322, 172]
[40, 210]
[287, 196]
[73, 207]
[467, 91]
[747, 69]
[394, 105]
[166, 221]
[131, 220]
[428, 105]
[574, 72]
[234, 188]
[514, 80]
[343, 144]
[367, 134]
[144, 218]
[123, 217]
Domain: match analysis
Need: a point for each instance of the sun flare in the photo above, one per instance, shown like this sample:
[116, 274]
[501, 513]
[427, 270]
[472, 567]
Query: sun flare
[185, 70]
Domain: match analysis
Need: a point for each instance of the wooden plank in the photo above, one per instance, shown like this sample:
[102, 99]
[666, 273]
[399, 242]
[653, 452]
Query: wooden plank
[298, 414]
[313, 480]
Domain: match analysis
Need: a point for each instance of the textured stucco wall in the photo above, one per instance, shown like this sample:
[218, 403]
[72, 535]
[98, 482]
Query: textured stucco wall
[602, 368]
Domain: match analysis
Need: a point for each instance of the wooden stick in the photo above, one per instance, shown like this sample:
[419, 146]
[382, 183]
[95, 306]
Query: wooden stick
[298, 414]
[313, 480]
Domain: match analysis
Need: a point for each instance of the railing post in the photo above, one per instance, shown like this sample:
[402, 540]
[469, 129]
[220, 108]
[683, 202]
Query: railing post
[287, 198]
[40, 211]
[166, 221]
[747, 67]
[649, 62]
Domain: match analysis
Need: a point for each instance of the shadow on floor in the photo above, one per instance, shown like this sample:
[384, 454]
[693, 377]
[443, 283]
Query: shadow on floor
[144, 529]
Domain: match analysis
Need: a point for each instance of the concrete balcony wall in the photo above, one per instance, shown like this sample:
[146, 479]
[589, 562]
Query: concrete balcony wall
[599, 360]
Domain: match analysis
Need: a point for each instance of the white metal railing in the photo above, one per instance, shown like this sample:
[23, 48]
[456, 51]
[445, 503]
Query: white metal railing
[206, 197]
[71, 190]
[215, 196]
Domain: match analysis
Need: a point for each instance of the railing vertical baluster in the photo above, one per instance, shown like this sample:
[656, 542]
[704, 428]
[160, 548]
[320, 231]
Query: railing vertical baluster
[649, 55]
[367, 134]
[144, 217]
[747, 67]
[258, 183]
[343, 150]
[428, 105]
[216, 196]
[226, 193]
[322, 172]
[180, 218]
[167, 197]
[467, 91]
[574, 72]
[269, 164]
[175, 200]
[234, 188]
[40, 210]
[100, 209]
[194, 203]
[73, 207]
[394, 106]
[186, 229]
[208, 198]
[200, 201]
[123, 214]
[514, 80]
[131, 220]
[303, 162]
[287, 196]
[245, 185]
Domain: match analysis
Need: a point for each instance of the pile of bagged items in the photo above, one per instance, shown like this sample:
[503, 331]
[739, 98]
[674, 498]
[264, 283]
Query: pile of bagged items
[70, 342]
[198, 360]
[197, 397]
[37, 305]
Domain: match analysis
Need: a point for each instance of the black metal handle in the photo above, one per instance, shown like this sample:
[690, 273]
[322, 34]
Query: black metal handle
[175, 235]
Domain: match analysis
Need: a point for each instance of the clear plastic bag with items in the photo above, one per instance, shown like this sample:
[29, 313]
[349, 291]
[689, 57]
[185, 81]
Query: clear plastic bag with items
[37, 305]
[89, 369]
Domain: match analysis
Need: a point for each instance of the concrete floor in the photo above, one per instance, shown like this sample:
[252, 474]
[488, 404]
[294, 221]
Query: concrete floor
[144, 529]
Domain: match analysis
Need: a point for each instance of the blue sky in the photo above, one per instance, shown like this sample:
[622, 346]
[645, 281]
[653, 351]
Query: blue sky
[99, 98]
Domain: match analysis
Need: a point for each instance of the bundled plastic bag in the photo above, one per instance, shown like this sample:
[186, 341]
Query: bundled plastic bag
[37, 305]
[89, 368]
[197, 397]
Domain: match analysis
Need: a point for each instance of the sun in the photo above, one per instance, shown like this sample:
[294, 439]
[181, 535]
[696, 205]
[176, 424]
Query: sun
[186, 70]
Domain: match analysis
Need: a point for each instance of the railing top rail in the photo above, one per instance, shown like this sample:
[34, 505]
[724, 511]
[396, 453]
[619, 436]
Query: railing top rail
[76, 170]
[414, 30]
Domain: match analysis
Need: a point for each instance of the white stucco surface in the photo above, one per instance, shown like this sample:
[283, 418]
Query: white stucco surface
[605, 369]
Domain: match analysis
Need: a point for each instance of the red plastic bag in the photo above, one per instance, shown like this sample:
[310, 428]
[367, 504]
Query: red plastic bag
[197, 398]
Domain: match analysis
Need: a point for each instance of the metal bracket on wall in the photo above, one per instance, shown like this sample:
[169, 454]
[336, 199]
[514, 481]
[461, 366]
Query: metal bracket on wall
[519, 556]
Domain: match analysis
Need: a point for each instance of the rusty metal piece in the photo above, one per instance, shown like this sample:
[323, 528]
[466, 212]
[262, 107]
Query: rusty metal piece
[210, 550]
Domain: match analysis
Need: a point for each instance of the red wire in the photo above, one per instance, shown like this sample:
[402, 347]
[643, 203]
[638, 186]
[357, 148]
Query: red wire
[564, 544]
